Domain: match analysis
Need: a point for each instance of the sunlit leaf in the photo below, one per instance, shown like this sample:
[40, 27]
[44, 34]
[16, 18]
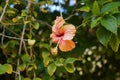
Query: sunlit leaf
[69, 67]
[9, 68]
[84, 8]
[96, 8]
[37, 79]
[70, 60]
[2, 69]
[22, 67]
[114, 43]
[35, 25]
[51, 69]
[25, 58]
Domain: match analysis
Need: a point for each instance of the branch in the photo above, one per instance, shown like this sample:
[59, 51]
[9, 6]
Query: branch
[4, 9]
[1, 34]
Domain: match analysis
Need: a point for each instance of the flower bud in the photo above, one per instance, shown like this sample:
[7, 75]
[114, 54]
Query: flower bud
[31, 42]
[54, 51]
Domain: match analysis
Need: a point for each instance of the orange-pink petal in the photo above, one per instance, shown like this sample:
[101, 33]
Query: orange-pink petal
[69, 32]
[58, 24]
[66, 45]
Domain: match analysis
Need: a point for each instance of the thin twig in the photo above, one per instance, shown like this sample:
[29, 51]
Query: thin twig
[24, 45]
[12, 32]
[3, 33]
[4, 9]
[21, 41]
[12, 37]
[20, 49]
[60, 8]
[69, 17]
[43, 22]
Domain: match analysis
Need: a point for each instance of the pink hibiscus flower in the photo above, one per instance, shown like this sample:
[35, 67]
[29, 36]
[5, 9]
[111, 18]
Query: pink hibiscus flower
[63, 35]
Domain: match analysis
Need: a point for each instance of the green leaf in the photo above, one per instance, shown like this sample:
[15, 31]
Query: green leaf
[58, 63]
[110, 23]
[45, 54]
[22, 67]
[26, 58]
[44, 45]
[118, 35]
[3, 69]
[24, 13]
[118, 18]
[26, 79]
[46, 61]
[114, 43]
[37, 79]
[46, 58]
[69, 67]
[9, 68]
[70, 60]
[35, 25]
[84, 8]
[95, 22]
[51, 69]
[103, 36]
[96, 8]
[108, 7]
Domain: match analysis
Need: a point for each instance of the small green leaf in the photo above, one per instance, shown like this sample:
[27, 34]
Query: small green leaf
[96, 8]
[108, 7]
[114, 43]
[22, 67]
[58, 63]
[46, 61]
[26, 58]
[37, 79]
[95, 22]
[70, 60]
[3, 69]
[110, 23]
[24, 13]
[103, 36]
[69, 67]
[84, 8]
[26, 79]
[45, 54]
[44, 45]
[9, 68]
[35, 25]
[51, 69]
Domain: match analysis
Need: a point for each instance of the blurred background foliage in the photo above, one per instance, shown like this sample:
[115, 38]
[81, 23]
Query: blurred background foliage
[25, 46]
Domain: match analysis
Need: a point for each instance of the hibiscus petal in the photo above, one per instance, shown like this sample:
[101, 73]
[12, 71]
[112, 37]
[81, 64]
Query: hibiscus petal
[69, 32]
[55, 39]
[58, 23]
[66, 45]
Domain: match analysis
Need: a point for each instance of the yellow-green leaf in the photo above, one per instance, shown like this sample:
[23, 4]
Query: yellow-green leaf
[51, 69]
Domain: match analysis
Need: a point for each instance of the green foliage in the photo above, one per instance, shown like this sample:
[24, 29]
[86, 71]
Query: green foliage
[110, 23]
[25, 43]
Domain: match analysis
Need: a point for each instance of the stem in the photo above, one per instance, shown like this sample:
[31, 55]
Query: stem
[60, 9]
[3, 33]
[19, 52]
[4, 9]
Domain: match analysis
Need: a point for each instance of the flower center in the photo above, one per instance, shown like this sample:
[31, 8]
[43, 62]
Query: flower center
[60, 35]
